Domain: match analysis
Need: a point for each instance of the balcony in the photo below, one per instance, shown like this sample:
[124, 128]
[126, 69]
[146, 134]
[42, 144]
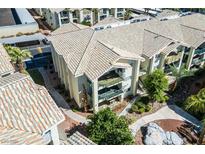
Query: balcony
[109, 80]
[173, 58]
[197, 61]
[109, 94]
[200, 51]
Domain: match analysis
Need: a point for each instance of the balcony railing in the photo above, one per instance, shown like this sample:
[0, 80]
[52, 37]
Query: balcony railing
[172, 59]
[197, 61]
[110, 79]
[199, 51]
[109, 94]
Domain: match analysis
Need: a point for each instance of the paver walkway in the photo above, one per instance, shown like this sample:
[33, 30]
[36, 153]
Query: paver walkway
[167, 112]
[60, 101]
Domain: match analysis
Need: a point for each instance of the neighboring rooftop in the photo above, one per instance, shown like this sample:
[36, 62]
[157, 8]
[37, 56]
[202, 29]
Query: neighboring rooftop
[79, 139]
[167, 13]
[108, 20]
[27, 110]
[5, 65]
[69, 27]
[94, 52]
[6, 17]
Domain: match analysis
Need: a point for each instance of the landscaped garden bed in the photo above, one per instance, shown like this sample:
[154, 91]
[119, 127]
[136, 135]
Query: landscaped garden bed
[120, 106]
[142, 107]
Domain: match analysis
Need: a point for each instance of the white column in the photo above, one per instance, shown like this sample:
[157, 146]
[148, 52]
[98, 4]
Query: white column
[190, 58]
[70, 83]
[55, 136]
[58, 64]
[61, 69]
[107, 12]
[95, 95]
[59, 19]
[121, 97]
[98, 15]
[64, 72]
[70, 16]
[91, 18]
[181, 59]
[115, 12]
[162, 61]
[135, 76]
[151, 64]
[81, 16]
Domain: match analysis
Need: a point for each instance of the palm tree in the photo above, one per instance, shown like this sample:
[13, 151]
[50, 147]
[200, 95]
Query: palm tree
[179, 73]
[127, 14]
[17, 56]
[202, 134]
[196, 103]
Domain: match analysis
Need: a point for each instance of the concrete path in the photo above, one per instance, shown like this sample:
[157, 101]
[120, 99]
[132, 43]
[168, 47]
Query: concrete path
[167, 112]
[60, 101]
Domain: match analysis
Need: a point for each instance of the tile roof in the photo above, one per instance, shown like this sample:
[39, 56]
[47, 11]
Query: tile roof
[145, 38]
[79, 139]
[166, 13]
[5, 65]
[171, 47]
[107, 20]
[18, 137]
[70, 27]
[26, 107]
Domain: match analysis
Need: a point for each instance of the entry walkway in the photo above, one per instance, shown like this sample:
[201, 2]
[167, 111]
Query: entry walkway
[60, 101]
[167, 112]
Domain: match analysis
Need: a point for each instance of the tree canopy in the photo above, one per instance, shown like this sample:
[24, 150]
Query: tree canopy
[17, 55]
[156, 85]
[105, 127]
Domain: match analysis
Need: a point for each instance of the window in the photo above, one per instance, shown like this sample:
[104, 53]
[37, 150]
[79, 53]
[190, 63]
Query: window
[104, 11]
[157, 57]
[128, 89]
[120, 9]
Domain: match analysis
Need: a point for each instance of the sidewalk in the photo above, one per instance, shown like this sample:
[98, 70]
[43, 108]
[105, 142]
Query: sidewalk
[167, 112]
[61, 103]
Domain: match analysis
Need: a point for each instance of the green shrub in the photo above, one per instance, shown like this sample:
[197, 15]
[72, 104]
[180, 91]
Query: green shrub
[141, 110]
[140, 104]
[148, 108]
[144, 99]
[134, 108]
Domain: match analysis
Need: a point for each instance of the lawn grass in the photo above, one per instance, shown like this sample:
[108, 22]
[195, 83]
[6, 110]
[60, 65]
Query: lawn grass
[36, 76]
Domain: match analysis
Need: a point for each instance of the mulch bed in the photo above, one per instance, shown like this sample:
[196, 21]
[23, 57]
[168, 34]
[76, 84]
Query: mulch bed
[120, 107]
[166, 125]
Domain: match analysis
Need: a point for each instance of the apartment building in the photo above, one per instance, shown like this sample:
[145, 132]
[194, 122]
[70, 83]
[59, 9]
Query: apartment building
[56, 17]
[109, 64]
